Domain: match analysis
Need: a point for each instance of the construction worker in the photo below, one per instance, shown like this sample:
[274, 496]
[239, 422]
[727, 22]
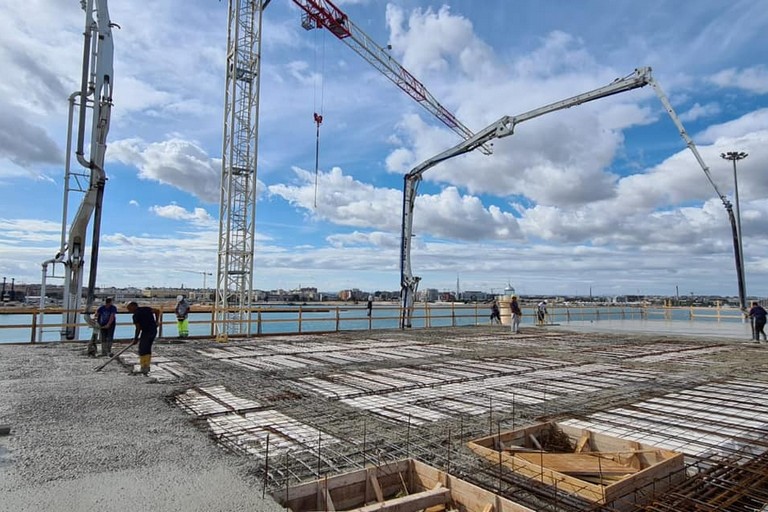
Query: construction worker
[182, 316]
[106, 317]
[146, 320]
[758, 314]
[517, 314]
[495, 313]
[541, 312]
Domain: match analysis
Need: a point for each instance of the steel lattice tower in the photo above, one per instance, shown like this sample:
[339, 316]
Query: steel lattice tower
[237, 210]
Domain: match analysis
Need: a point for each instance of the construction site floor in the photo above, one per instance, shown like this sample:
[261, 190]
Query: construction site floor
[226, 426]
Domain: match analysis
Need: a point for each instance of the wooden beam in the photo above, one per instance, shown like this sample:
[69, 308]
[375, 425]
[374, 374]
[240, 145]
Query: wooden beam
[324, 501]
[584, 441]
[375, 484]
[410, 503]
[577, 463]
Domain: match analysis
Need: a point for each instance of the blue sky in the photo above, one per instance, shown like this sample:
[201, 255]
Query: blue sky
[604, 195]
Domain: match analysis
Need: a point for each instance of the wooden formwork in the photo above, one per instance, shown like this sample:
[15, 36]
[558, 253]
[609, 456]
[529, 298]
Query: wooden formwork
[596, 467]
[403, 486]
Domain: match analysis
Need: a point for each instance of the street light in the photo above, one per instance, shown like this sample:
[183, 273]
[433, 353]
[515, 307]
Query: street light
[733, 156]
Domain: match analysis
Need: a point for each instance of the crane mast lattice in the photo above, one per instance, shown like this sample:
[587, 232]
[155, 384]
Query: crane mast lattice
[234, 286]
[237, 207]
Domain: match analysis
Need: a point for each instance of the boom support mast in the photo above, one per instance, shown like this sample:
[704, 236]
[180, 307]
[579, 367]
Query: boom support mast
[505, 127]
[95, 94]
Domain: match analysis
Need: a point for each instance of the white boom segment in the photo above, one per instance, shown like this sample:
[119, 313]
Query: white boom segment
[505, 127]
[237, 208]
[95, 95]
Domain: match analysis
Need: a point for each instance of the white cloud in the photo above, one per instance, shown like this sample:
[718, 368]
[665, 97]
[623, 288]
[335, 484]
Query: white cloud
[754, 122]
[753, 79]
[435, 41]
[698, 111]
[377, 239]
[179, 163]
[198, 216]
[342, 200]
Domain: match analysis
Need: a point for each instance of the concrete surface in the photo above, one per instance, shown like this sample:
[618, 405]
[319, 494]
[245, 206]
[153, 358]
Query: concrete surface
[108, 441]
[112, 441]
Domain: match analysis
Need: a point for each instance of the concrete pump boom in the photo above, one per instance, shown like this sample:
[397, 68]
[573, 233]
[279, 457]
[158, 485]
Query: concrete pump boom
[505, 127]
[95, 94]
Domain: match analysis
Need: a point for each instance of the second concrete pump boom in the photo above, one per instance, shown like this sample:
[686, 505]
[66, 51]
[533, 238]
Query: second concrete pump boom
[505, 127]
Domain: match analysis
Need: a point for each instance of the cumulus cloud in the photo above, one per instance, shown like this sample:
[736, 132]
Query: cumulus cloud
[563, 158]
[750, 123]
[180, 163]
[197, 216]
[345, 201]
[436, 40]
[341, 199]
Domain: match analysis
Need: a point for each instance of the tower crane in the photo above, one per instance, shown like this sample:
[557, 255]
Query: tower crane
[200, 273]
[94, 96]
[237, 210]
[324, 14]
[505, 127]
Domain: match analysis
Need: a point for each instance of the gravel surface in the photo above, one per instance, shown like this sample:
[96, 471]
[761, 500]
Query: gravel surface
[82, 440]
[106, 441]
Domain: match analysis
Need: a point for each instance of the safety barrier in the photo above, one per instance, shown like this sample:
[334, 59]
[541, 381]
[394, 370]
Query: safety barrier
[30, 326]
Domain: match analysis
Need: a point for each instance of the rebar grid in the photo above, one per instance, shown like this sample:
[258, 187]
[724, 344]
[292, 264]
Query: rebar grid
[731, 484]
[347, 438]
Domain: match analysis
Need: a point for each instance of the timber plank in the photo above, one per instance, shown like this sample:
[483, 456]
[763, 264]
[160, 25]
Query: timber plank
[411, 503]
[577, 463]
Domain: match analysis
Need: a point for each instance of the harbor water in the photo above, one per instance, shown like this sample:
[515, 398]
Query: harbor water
[17, 328]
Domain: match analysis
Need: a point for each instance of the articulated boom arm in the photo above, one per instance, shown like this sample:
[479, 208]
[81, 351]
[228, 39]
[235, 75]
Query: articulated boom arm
[323, 13]
[505, 127]
[96, 94]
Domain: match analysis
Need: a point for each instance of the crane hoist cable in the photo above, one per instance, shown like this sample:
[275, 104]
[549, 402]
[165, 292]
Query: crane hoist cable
[318, 116]
[318, 122]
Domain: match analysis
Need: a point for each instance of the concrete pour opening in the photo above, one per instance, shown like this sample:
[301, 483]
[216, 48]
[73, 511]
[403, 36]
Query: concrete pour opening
[403, 486]
[600, 468]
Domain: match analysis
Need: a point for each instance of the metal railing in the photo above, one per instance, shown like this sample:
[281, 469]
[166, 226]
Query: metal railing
[31, 326]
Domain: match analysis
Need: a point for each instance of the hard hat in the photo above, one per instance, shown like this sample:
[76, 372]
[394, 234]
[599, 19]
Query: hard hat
[179, 298]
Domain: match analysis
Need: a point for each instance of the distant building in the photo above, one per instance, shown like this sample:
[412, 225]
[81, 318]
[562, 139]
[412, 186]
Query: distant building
[472, 296]
[353, 294]
[447, 297]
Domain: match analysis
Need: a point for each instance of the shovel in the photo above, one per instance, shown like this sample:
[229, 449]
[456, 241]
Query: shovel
[101, 366]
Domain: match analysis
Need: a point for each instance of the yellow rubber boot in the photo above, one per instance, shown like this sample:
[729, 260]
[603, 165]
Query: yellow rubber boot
[144, 362]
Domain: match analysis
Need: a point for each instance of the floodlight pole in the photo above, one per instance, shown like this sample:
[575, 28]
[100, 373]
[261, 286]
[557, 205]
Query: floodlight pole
[734, 156]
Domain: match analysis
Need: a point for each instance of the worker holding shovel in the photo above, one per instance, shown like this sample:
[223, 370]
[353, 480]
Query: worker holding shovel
[146, 320]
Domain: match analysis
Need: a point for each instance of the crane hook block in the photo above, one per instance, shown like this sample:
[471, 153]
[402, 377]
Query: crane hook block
[318, 119]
